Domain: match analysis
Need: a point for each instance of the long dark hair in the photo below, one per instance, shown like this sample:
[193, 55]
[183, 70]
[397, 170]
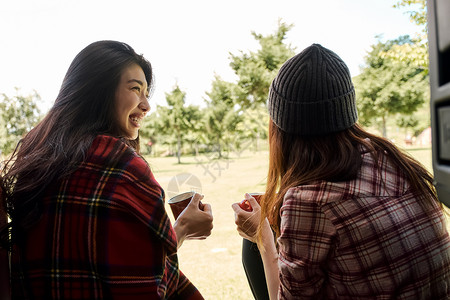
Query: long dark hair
[53, 149]
[295, 160]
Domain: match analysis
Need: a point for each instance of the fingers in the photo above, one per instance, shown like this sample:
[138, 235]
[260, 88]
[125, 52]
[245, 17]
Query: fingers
[196, 202]
[242, 217]
[252, 200]
[196, 220]
[207, 211]
[247, 221]
[207, 208]
[196, 199]
[236, 207]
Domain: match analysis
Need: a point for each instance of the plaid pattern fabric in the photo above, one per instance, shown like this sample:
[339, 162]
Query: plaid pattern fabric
[104, 234]
[364, 239]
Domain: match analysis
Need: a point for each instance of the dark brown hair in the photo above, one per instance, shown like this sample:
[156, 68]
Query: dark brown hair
[83, 109]
[296, 160]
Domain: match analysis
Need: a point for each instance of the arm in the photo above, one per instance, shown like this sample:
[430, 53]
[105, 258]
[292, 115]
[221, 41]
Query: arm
[269, 257]
[247, 224]
[305, 245]
[194, 223]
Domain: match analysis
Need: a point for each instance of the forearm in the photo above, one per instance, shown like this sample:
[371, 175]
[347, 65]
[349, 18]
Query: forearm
[269, 256]
[180, 230]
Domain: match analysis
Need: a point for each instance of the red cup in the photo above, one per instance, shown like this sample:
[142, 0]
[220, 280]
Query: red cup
[179, 202]
[245, 205]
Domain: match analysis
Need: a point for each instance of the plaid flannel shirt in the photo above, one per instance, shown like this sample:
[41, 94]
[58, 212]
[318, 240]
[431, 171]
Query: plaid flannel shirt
[363, 239]
[104, 234]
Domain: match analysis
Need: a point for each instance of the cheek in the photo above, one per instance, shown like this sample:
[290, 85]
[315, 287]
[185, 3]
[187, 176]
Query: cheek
[121, 109]
[121, 117]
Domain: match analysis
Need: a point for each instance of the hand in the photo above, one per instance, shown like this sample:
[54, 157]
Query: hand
[195, 222]
[247, 221]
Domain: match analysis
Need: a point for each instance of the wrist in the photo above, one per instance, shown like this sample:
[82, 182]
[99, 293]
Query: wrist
[266, 230]
[268, 240]
[180, 231]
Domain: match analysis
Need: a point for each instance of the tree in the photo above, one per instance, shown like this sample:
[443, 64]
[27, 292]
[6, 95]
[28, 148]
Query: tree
[416, 52]
[152, 130]
[221, 116]
[419, 14]
[254, 125]
[388, 87]
[173, 123]
[195, 131]
[18, 115]
[256, 70]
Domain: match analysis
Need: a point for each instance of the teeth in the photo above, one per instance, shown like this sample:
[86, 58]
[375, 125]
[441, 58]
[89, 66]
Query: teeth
[136, 120]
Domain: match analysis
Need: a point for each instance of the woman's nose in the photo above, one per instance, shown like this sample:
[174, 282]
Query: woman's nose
[144, 105]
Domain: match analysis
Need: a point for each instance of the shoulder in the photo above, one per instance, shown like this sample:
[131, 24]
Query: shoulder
[120, 168]
[317, 193]
[375, 178]
[108, 147]
[128, 184]
[380, 177]
[114, 154]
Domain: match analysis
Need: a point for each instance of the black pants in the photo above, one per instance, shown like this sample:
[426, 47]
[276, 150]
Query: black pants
[254, 270]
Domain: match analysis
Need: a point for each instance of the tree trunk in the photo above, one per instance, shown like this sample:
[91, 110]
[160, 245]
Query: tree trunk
[219, 149]
[384, 127]
[257, 141]
[179, 148]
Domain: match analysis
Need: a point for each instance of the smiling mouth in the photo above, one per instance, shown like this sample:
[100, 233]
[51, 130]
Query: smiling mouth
[136, 120]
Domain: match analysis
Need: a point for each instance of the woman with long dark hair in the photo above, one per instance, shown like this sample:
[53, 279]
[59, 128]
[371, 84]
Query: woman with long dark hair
[87, 216]
[353, 216]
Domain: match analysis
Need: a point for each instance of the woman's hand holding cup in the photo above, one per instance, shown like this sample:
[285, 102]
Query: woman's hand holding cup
[247, 216]
[195, 222]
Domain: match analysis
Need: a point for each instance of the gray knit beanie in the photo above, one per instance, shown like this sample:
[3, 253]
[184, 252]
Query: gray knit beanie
[313, 94]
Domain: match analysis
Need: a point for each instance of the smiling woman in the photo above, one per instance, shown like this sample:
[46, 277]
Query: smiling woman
[87, 215]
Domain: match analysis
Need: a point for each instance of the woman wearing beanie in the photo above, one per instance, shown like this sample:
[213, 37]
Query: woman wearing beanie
[353, 216]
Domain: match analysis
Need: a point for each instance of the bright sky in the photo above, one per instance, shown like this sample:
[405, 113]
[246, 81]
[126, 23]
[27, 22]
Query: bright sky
[187, 42]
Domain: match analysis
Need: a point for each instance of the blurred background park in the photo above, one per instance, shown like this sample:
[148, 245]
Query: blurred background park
[208, 130]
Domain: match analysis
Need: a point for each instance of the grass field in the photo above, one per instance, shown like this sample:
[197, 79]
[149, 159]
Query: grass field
[214, 265]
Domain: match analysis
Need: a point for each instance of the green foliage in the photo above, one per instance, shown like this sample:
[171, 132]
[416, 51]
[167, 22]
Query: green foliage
[388, 87]
[416, 52]
[18, 115]
[419, 13]
[221, 116]
[174, 124]
[394, 83]
[240, 108]
[256, 70]
[254, 125]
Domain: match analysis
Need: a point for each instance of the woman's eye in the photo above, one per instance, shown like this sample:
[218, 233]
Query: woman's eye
[137, 88]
